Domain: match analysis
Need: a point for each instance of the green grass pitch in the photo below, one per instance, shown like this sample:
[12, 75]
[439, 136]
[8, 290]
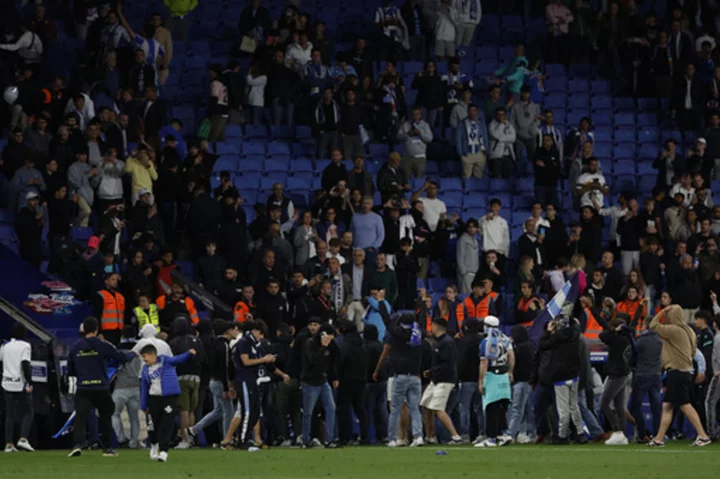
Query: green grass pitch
[676, 460]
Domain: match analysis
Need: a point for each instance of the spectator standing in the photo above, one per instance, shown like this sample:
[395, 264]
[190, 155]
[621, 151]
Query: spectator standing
[547, 163]
[178, 10]
[469, 13]
[126, 393]
[513, 72]
[353, 371]
[558, 18]
[618, 337]
[688, 99]
[469, 144]
[468, 257]
[280, 91]
[495, 233]
[630, 230]
[29, 225]
[367, 229]
[547, 127]
[591, 186]
[325, 121]
[431, 93]
[502, 138]
[525, 118]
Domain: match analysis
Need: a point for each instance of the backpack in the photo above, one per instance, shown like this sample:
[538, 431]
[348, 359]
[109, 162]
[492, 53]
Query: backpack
[493, 346]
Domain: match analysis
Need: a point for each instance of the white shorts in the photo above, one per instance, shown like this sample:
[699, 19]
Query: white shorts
[444, 48]
[436, 396]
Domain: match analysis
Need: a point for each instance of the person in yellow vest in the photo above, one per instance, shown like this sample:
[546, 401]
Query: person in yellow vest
[483, 301]
[109, 306]
[146, 312]
[175, 304]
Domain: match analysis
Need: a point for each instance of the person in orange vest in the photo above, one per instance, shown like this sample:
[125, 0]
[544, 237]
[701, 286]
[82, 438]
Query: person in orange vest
[451, 310]
[109, 308]
[483, 301]
[174, 305]
[634, 307]
[529, 305]
[592, 319]
[424, 309]
[245, 308]
[665, 301]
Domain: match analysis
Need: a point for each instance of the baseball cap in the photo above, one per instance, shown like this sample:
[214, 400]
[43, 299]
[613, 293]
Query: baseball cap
[93, 242]
[144, 192]
[31, 194]
[491, 321]
[701, 140]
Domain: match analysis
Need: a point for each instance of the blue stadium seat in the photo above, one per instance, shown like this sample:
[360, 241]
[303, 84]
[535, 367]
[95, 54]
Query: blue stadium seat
[304, 148]
[227, 148]
[251, 196]
[555, 101]
[320, 165]
[253, 164]
[519, 217]
[278, 163]
[413, 68]
[603, 132]
[523, 202]
[474, 213]
[303, 131]
[524, 185]
[438, 284]
[624, 103]
[578, 86]
[500, 184]
[648, 134]
[379, 151]
[647, 119]
[603, 102]
[256, 131]
[600, 86]
[267, 182]
[281, 132]
[432, 168]
[645, 168]
[453, 200]
[7, 216]
[578, 100]
[253, 148]
[602, 150]
[624, 167]
[301, 165]
[451, 184]
[416, 183]
[646, 183]
[602, 117]
[226, 163]
[478, 184]
[556, 84]
[233, 131]
[625, 183]
[505, 199]
[624, 134]
[515, 233]
[486, 53]
[671, 134]
[81, 234]
[555, 69]
[624, 119]
[624, 151]
[278, 149]
[574, 116]
[647, 104]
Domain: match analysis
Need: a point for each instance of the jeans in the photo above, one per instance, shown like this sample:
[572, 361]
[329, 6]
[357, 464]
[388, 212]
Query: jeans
[614, 393]
[376, 408]
[649, 384]
[546, 195]
[432, 116]
[405, 388]
[280, 107]
[588, 416]
[325, 143]
[521, 419]
[544, 400]
[129, 397]
[311, 395]
[470, 401]
[222, 409]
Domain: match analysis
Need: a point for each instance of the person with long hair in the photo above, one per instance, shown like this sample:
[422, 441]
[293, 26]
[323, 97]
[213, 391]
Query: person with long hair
[305, 239]
[524, 274]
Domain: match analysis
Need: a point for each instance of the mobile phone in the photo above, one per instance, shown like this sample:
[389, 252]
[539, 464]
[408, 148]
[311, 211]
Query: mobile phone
[542, 230]
[323, 335]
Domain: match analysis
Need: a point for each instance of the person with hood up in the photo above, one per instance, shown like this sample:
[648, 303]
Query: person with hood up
[618, 338]
[468, 366]
[376, 391]
[188, 375]
[497, 362]
[679, 344]
[563, 340]
[126, 392]
[379, 310]
[353, 368]
[522, 424]
[647, 379]
[148, 335]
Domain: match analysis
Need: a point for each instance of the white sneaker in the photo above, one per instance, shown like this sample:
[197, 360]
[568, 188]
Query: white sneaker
[523, 438]
[154, 451]
[431, 440]
[253, 449]
[390, 444]
[617, 439]
[503, 440]
[24, 445]
[162, 457]
[286, 443]
[402, 442]
[417, 442]
[487, 443]
[316, 442]
[479, 439]
[298, 441]
[10, 448]
[183, 445]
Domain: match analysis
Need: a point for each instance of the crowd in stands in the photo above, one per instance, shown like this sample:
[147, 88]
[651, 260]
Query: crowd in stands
[406, 262]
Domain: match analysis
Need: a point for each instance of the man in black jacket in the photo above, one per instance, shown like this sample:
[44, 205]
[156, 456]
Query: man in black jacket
[323, 306]
[353, 372]
[564, 342]
[547, 171]
[271, 306]
[531, 244]
[287, 396]
[280, 90]
[376, 393]
[443, 376]
[544, 397]
[321, 352]
[468, 364]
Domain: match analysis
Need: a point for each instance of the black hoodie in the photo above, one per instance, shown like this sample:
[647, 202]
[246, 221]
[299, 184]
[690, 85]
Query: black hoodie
[619, 351]
[318, 361]
[355, 358]
[374, 349]
[468, 360]
[565, 347]
[284, 351]
[184, 340]
[444, 361]
[205, 334]
[524, 354]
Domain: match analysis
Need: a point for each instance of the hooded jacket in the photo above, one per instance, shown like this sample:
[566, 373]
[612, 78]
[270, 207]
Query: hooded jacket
[444, 361]
[374, 349]
[318, 361]
[183, 341]
[524, 354]
[468, 359]
[355, 358]
[650, 347]
[619, 351]
[565, 347]
[679, 340]
[148, 336]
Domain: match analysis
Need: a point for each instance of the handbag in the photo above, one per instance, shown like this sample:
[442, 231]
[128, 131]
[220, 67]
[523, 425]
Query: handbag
[248, 44]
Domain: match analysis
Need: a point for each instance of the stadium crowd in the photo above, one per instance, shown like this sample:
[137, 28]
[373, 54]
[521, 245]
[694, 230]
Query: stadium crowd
[373, 303]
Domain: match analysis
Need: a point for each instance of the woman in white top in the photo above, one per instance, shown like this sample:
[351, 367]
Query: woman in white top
[304, 239]
[256, 94]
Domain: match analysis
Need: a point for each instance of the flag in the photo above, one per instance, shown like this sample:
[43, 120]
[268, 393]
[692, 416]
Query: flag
[564, 300]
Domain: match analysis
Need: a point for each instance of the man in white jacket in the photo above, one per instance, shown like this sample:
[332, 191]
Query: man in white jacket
[502, 142]
[110, 190]
[467, 257]
[445, 31]
[468, 16]
[416, 134]
[495, 233]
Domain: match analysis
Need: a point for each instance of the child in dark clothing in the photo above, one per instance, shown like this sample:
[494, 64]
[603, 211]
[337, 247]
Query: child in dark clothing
[522, 424]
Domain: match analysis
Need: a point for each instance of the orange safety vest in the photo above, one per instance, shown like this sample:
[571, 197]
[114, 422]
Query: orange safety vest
[189, 306]
[240, 310]
[481, 309]
[631, 309]
[524, 307]
[592, 327]
[113, 313]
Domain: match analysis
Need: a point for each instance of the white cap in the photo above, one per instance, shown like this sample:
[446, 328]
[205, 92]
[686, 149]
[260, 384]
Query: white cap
[31, 194]
[144, 192]
[701, 140]
[491, 321]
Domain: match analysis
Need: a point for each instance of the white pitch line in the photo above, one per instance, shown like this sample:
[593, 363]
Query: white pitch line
[570, 449]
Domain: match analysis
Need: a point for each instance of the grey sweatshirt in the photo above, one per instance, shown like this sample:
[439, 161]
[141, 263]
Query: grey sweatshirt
[716, 353]
[467, 255]
[111, 185]
[415, 146]
[81, 183]
[525, 124]
[649, 346]
[19, 187]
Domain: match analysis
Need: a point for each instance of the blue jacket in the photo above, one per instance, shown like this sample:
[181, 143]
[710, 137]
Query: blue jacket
[88, 359]
[168, 378]
[181, 147]
[462, 146]
[374, 317]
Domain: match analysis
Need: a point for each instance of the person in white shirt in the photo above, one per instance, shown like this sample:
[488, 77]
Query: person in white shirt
[29, 46]
[501, 145]
[615, 213]
[685, 187]
[83, 106]
[334, 251]
[299, 54]
[591, 186]
[17, 388]
[536, 211]
[495, 233]
[114, 35]
[447, 19]
[468, 14]
[434, 207]
[256, 83]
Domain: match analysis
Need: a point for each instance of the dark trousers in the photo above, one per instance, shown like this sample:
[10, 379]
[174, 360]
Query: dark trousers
[168, 214]
[351, 397]
[376, 408]
[85, 401]
[161, 422]
[288, 402]
[18, 408]
[642, 385]
[248, 409]
[501, 167]
[546, 195]
[496, 417]
[544, 400]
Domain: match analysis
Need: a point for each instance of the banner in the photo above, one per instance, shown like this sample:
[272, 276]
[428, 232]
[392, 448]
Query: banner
[564, 300]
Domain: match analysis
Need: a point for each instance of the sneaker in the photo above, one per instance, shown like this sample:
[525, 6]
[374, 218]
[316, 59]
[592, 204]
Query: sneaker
[617, 439]
[316, 442]
[654, 443]
[418, 442]
[699, 442]
[403, 442]
[479, 439]
[431, 440]
[503, 440]
[77, 452]
[24, 445]
[308, 445]
[643, 440]
[298, 441]
[332, 445]
[162, 457]
[154, 451]
[559, 441]
[183, 445]
[489, 442]
[455, 441]
[286, 443]
[190, 434]
[10, 448]
[390, 444]
[252, 449]
[109, 453]
[581, 439]
[523, 438]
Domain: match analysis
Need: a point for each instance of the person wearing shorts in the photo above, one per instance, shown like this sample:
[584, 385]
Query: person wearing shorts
[189, 393]
[468, 14]
[679, 345]
[445, 31]
[443, 377]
